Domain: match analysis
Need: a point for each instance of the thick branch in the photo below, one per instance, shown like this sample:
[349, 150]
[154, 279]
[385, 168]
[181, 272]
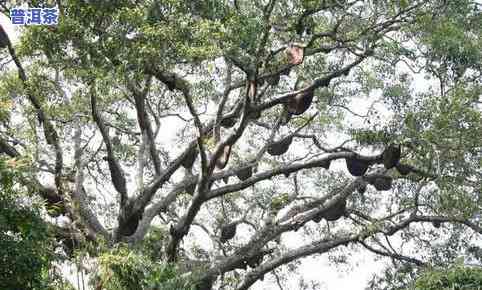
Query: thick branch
[182, 228]
[116, 172]
[285, 170]
[395, 256]
[317, 247]
[50, 133]
[317, 83]
[79, 194]
[145, 124]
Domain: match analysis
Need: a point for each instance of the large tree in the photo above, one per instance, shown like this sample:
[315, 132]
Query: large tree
[227, 125]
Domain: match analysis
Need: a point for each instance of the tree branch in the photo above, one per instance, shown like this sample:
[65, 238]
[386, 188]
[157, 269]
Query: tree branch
[50, 133]
[143, 121]
[116, 172]
[392, 255]
[78, 193]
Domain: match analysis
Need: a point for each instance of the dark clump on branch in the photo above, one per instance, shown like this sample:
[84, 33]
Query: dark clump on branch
[188, 161]
[326, 164]
[299, 103]
[228, 232]
[4, 40]
[362, 188]
[336, 211]
[333, 213]
[255, 261]
[224, 158]
[69, 240]
[391, 156]
[403, 169]
[382, 183]
[280, 147]
[228, 122]
[245, 173]
[318, 217]
[129, 226]
[170, 82]
[226, 179]
[437, 224]
[356, 167]
[68, 246]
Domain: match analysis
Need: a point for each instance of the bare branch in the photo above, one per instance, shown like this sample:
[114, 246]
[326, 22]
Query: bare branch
[78, 193]
[116, 172]
[182, 228]
[51, 135]
[392, 255]
[144, 122]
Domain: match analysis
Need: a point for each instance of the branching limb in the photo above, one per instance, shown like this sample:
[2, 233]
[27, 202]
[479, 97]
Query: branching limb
[317, 247]
[317, 83]
[78, 193]
[182, 228]
[219, 114]
[285, 170]
[116, 172]
[144, 122]
[392, 255]
[51, 135]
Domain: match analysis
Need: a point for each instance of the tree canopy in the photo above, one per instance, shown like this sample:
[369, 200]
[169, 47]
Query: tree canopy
[456, 277]
[187, 142]
[25, 254]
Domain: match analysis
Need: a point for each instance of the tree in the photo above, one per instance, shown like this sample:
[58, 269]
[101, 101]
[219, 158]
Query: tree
[132, 114]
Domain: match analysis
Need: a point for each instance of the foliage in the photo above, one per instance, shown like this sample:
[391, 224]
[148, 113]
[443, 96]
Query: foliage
[122, 268]
[457, 277]
[25, 243]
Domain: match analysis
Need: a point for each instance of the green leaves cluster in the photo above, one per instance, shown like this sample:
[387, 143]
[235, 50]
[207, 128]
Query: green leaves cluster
[457, 277]
[453, 38]
[125, 269]
[25, 244]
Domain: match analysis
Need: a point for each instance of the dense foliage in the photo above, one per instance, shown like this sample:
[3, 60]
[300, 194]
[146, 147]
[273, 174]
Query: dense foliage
[187, 144]
[25, 252]
[124, 269]
[454, 278]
